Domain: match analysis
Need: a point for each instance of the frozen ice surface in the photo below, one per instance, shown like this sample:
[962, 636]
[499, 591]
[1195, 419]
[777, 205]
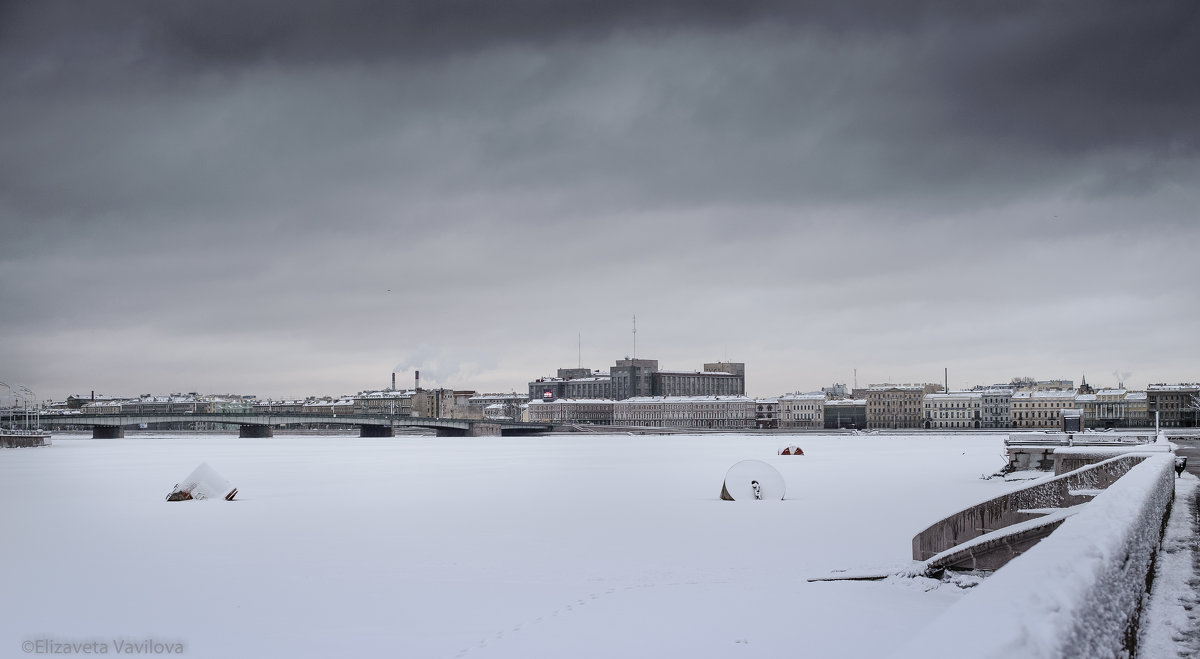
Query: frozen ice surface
[571, 546]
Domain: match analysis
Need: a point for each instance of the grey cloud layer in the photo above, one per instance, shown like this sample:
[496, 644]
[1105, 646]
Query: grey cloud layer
[257, 170]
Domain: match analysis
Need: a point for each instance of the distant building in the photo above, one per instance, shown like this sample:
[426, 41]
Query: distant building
[846, 413]
[482, 406]
[590, 386]
[766, 413]
[997, 407]
[955, 409]
[570, 412]
[386, 401]
[1175, 404]
[896, 405]
[547, 389]
[1109, 410]
[1041, 409]
[633, 378]
[835, 391]
[697, 383]
[716, 412]
[802, 410]
[1137, 409]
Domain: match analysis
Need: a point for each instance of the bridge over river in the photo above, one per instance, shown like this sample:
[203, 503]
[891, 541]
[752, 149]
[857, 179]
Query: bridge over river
[107, 426]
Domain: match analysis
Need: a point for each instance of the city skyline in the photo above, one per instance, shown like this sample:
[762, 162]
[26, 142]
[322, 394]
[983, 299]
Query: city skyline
[285, 200]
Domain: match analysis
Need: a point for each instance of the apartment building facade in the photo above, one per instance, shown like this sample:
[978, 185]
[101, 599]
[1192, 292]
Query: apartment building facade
[896, 405]
[802, 410]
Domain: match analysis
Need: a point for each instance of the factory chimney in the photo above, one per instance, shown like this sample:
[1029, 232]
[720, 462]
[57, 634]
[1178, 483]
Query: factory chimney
[418, 384]
[393, 380]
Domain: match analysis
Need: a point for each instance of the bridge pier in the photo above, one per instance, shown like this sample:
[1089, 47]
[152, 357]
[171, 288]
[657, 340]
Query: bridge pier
[253, 431]
[376, 431]
[451, 432]
[107, 432]
[484, 430]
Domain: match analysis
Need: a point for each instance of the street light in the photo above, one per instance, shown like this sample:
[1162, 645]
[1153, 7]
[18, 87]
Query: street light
[10, 412]
[31, 398]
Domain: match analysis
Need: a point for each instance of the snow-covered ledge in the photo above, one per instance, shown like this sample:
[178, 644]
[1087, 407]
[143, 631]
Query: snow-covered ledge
[1078, 593]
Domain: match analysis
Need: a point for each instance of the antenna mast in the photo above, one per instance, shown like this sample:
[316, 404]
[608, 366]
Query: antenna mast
[635, 336]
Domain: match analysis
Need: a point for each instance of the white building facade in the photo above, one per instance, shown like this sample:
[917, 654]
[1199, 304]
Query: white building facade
[802, 410]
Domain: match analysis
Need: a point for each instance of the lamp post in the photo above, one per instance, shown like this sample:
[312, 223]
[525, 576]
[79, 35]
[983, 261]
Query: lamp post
[31, 398]
[11, 411]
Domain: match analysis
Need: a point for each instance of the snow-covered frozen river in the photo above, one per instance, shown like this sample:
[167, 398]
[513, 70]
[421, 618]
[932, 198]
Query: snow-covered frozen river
[565, 546]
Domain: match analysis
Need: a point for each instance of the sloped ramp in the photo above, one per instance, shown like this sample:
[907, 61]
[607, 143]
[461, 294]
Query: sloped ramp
[992, 550]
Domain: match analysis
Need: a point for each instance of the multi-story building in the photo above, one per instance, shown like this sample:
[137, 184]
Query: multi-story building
[500, 405]
[592, 386]
[171, 403]
[1041, 409]
[955, 409]
[766, 413]
[548, 389]
[1085, 404]
[848, 413]
[997, 407]
[896, 405]
[270, 406]
[104, 407]
[1137, 409]
[1175, 404]
[386, 401]
[1108, 411]
[434, 403]
[802, 410]
[718, 412]
[631, 378]
[326, 406]
[697, 383]
[568, 412]
[77, 402]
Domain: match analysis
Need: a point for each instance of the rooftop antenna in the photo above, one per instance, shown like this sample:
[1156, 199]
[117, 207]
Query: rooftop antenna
[856, 378]
[635, 336]
[579, 343]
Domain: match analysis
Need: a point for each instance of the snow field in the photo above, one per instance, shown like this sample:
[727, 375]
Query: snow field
[581, 546]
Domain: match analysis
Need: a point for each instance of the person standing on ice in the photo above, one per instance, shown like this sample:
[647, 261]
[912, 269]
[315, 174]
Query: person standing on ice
[757, 489]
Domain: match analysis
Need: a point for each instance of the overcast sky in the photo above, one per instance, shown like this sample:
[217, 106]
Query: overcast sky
[294, 198]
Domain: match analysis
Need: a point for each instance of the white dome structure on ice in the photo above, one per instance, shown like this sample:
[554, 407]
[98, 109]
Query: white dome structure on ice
[752, 480]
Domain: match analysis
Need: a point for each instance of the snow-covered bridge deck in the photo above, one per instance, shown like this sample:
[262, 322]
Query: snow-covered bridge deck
[255, 424]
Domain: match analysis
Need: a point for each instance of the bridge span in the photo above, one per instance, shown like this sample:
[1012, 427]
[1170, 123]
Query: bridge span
[252, 424]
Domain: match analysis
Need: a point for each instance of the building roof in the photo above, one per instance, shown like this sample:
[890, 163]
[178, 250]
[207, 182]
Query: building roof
[816, 395]
[688, 399]
[954, 395]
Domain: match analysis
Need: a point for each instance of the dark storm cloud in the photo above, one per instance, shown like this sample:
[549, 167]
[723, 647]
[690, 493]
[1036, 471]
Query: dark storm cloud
[230, 184]
[750, 101]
